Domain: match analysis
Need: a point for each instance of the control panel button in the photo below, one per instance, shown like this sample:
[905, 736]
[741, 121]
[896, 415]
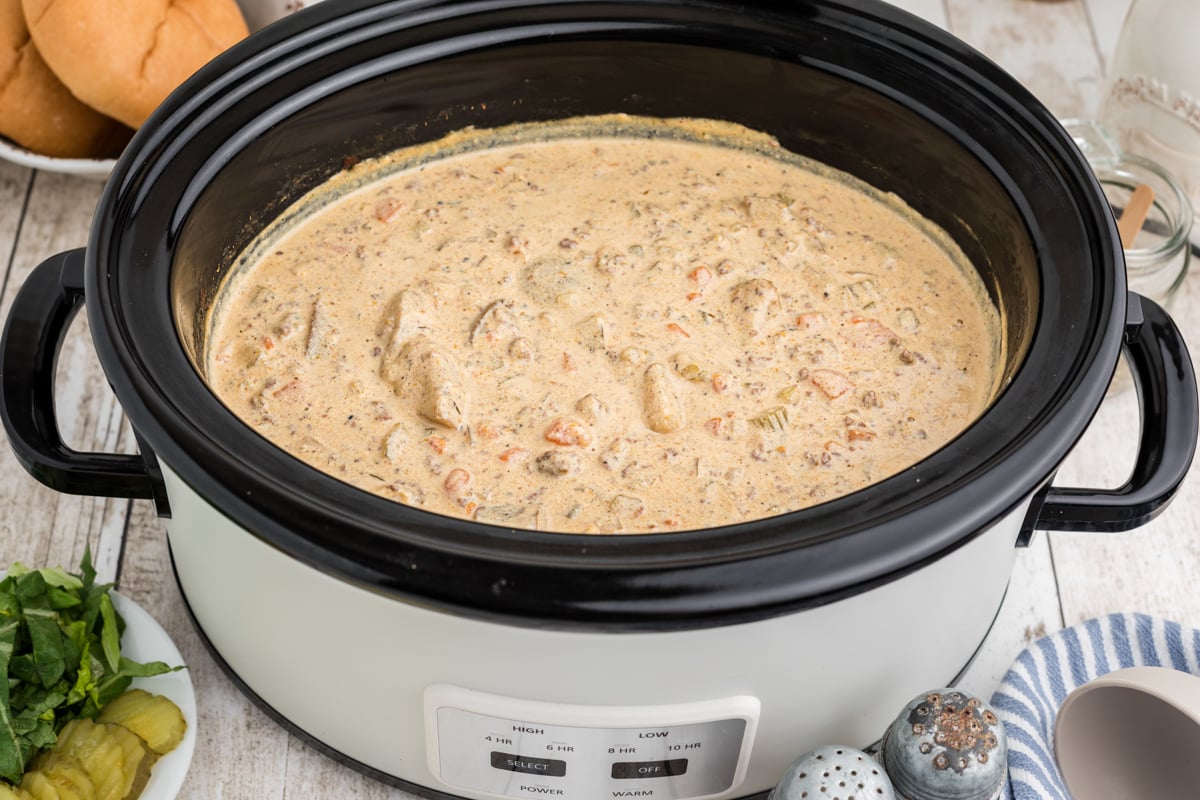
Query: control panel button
[511, 762]
[649, 769]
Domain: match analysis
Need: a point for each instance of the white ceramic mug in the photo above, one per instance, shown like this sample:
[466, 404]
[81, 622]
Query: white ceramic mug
[1133, 734]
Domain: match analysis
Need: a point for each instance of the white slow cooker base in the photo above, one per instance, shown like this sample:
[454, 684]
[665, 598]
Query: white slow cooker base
[383, 777]
[833, 674]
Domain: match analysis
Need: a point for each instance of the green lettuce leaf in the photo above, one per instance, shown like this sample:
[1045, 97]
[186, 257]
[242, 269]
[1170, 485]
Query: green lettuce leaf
[60, 657]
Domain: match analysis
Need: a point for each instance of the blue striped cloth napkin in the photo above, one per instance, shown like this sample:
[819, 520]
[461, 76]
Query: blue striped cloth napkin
[1051, 667]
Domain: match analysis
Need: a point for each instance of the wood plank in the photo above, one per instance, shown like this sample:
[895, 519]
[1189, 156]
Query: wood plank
[14, 187]
[42, 526]
[311, 774]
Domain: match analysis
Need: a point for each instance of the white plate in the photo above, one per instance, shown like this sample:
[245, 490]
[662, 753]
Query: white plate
[91, 168]
[145, 640]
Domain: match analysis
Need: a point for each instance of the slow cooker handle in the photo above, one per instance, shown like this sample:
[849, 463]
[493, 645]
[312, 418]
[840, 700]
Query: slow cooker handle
[1166, 385]
[33, 335]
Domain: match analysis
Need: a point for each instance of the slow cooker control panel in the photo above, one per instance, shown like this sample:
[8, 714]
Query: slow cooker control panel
[494, 746]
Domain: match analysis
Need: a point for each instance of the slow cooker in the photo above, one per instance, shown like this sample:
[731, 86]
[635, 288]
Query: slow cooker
[475, 661]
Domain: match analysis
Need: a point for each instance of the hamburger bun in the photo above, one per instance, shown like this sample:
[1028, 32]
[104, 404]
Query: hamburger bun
[123, 57]
[36, 110]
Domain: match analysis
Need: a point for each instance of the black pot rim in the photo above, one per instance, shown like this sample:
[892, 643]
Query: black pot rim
[681, 580]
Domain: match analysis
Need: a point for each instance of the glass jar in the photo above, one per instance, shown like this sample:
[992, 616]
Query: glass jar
[1157, 260]
[1152, 106]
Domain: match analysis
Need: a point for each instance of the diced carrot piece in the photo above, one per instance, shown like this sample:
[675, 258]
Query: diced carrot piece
[457, 482]
[701, 275]
[568, 433]
[288, 388]
[831, 382]
[859, 435]
[671, 326]
[437, 443]
[811, 320]
[872, 331]
[514, 455]
[388, 209]
[719, 382]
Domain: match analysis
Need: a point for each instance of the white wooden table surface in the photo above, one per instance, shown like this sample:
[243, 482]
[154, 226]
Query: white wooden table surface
[1056, 47]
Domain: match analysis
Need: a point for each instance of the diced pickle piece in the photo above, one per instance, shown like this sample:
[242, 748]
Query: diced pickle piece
[691, 367]
[772, 419]
[862, 294]
[906, 320]
[427, 376]
[505, 515]
[662, 407]
[153, 717]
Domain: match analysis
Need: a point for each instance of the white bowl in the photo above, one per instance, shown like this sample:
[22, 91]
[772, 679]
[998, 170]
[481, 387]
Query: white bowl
[258, 14]
[261, 13]
[90, 168]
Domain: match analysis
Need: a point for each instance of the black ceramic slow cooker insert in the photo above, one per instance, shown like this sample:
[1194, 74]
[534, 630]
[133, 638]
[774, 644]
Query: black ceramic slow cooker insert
[863, 88]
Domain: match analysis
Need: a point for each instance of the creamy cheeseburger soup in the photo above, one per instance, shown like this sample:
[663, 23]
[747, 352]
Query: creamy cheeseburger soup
[606, 325]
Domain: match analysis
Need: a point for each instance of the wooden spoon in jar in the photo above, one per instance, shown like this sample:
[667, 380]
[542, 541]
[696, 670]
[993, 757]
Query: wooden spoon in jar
[1134, 215]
